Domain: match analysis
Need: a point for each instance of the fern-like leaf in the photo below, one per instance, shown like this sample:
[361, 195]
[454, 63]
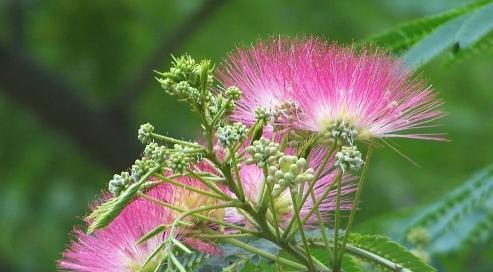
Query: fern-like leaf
[349, 264]
[406, 35]
[458, 34]
[442, 215]
[385, 254]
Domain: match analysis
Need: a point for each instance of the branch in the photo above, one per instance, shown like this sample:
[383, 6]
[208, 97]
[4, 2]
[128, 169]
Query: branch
[169, 44]
[105, 137]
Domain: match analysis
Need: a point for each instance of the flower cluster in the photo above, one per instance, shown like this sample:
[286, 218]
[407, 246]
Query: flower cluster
[188, 80]
[278, 157]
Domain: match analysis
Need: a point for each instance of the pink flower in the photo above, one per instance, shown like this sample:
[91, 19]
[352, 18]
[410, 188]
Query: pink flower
[115, 247]
[329, 89]
[368, 93]
[266, 75]
[252, 178]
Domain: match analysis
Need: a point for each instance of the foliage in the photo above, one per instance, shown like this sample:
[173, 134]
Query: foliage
[59, 176]
[465, 29]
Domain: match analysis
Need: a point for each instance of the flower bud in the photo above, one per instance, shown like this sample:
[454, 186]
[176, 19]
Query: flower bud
[349, 159]
[145, 133]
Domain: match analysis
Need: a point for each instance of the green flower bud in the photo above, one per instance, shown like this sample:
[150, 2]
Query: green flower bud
[230, 135]
[341, 131]
[349, 159]
[179, 159]
[118, 183]
[289, 172]
[141, 167]
[233, 93]
[263, 152]
[145, 133]
[155, 152]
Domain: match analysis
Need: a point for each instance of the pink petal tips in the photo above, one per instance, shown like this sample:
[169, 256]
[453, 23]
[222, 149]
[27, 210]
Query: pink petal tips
[330, 89]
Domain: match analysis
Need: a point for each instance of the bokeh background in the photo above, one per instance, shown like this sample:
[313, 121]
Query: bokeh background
[76, 82]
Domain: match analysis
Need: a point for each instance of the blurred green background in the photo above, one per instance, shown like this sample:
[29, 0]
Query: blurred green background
[76, 83]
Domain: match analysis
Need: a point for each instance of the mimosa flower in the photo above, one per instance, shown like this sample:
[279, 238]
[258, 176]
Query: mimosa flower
[330, 89]
[115, 247]
[265, 73]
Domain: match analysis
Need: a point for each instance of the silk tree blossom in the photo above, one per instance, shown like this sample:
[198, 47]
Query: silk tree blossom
[365, 95]
[115, 247]
[330, 89]
[266, 74]
[252, 178]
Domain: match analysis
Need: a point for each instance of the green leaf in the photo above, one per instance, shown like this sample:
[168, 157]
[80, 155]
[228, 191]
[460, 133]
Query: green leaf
[385, 254]
[438, 41]
[157, 230]
[349, 264]
[406, 35]
[456, 206]
[459, 34]
[478, 25]
[482, 230]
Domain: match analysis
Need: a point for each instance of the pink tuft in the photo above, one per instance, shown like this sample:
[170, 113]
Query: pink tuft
[115, 248]
[330, 83]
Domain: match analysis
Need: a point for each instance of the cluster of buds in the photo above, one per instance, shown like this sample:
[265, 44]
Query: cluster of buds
[264, 115]
[263, 152]
[179, 159]
[141, 167]
[349, 159]
[289, 172]
[230, 135]
[224, 102]
[118, 183]
[155, 152]
[285, 112]
[341, 131]
[188, 80]
[145, 133]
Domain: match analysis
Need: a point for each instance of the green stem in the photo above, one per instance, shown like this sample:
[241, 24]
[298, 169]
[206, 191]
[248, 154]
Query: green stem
[319, 172]
[238, 178]
[357, 197]
[322, 226]
[266, 255]
[302, 232]
[175, 141]
[210, 185]
[220, 113]
[198, 216]
[312, 210]
[165, 179]
[221, 236]
[337, 219]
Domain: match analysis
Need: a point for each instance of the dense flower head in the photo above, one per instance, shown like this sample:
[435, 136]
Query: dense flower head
[115, 247]
[264, 74]
[337, 91]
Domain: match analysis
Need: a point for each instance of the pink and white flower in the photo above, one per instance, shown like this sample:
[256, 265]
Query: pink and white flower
[314, 86]
[115, 247]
